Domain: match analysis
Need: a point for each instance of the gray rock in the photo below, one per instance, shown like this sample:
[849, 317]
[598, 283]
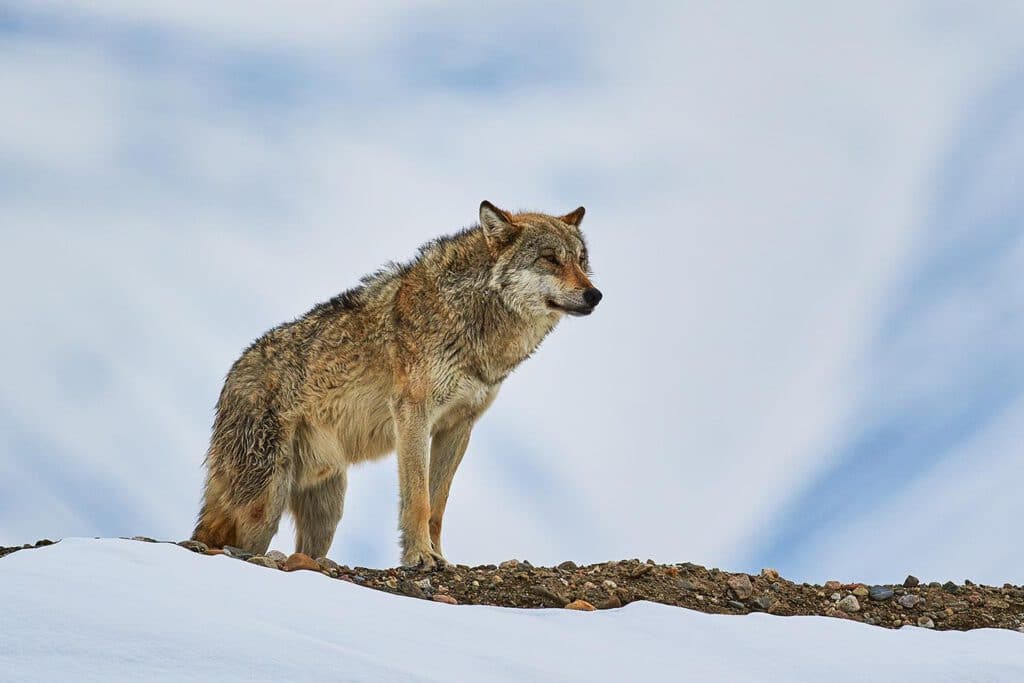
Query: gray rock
[951, 587]
[925, 622]
[763, 602]
[908, 601]
[328, 563]
[741, 586]
[194, 546]
[911, 581]
[237, 553]
[568, 566]
[276, 556]
[880, 593]
[550, 596]
[737, 604]
[849, 604]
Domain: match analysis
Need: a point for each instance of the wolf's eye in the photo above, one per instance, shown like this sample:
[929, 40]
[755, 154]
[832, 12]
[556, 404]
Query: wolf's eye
[552, 259]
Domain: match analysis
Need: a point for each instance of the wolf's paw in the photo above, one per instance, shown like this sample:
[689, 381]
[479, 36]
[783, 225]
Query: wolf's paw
[424, 558]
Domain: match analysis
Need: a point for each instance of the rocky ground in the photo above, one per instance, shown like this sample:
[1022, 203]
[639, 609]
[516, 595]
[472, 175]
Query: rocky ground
[614, 584]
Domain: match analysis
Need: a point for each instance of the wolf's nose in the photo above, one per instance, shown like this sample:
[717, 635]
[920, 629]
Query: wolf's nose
[592, 296]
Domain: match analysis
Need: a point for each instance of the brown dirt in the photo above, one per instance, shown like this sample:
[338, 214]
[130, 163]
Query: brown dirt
[610, 585]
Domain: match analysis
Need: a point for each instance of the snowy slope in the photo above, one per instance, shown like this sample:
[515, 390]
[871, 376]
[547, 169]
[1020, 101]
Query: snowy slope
[122, 610]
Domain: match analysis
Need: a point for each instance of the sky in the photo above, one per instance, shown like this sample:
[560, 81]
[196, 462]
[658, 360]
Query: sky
[806, 221]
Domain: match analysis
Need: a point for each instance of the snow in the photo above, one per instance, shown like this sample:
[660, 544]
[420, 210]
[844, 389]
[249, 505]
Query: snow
[103, 609]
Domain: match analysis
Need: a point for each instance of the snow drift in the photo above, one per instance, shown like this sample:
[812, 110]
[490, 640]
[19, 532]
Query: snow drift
[105, 610]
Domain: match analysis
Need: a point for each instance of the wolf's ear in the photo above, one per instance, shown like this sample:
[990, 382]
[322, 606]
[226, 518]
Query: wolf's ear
[497, 226]
[575, 218]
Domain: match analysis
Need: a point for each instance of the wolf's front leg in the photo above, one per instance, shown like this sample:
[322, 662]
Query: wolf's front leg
[414, 512]
[446, 453]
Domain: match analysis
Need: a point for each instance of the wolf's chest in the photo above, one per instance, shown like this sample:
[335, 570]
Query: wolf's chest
[500, 354]
[463, 398]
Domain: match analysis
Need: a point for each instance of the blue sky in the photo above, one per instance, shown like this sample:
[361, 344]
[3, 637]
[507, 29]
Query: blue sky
[806, 222]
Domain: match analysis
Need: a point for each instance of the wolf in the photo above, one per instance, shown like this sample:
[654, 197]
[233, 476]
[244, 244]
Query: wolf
[406, 362]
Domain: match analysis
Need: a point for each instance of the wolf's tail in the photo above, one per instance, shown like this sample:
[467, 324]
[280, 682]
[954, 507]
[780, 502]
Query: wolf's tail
[247, 478]
[217, 525]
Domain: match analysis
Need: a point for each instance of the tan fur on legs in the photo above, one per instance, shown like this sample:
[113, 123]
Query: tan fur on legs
[414, 497]
[317, 511]
[446, 451]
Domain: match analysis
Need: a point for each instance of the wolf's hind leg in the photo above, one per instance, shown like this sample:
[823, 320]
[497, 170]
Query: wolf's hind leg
[317, 511]
[258, 520]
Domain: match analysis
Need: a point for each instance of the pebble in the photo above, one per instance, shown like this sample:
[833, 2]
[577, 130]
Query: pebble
[194, 546]
[580, 605]
[908, 601]
[951, 587]
[925, 622]
[737, 604]
[609, 584]
[849, 604]
[741, 586]
[833, 585]
[770, 574]
[298, 561]
[589, 586]
[276, 556]
[836, 596]
[861, 591]
[497, 579]
[446, 599]
[327, 563]
[880, 593]
[237, 553]
[612, 602]
[549, 595]
[262, 561]
[911, 581]
[568, 566]
[213, 551]
[509, 564]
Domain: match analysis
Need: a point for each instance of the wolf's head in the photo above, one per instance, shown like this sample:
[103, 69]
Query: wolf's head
[541, 263]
